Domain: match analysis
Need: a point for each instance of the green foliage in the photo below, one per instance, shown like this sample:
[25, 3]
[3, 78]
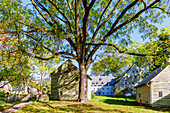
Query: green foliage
[115, 64]
[93, 96]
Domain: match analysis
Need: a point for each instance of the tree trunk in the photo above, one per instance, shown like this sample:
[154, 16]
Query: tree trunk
[41, 82]
[82, 84]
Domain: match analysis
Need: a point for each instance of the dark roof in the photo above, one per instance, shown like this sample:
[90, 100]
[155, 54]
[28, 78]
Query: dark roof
[150, 76]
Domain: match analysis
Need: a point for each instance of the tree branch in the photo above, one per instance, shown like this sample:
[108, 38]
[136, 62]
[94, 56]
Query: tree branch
[100, 25]
[63, 14]
[41, 13]
[160, 9]
[122, 51]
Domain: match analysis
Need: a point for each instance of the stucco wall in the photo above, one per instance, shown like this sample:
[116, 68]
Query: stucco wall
[143, 94]
[65, 83]
[131, 78]
[161, 83]
[89, 89]
[103, 85]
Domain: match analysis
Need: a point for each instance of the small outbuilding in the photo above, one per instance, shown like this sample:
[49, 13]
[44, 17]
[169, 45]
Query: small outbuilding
[65, 83]
[155, 88]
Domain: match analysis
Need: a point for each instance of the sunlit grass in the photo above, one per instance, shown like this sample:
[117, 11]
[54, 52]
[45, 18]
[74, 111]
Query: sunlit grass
[100, 104]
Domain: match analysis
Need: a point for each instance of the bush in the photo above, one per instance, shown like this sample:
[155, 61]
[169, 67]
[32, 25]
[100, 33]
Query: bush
[93, 96]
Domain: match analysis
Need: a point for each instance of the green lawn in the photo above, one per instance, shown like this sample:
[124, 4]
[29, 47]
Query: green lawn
[4, 105]
[100, 104]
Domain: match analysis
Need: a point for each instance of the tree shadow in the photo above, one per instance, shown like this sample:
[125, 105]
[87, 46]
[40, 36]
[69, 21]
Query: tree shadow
[132, 103]
[83, 107]
[121, 102]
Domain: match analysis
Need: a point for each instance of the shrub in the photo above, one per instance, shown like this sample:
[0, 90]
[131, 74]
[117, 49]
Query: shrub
[93, 96]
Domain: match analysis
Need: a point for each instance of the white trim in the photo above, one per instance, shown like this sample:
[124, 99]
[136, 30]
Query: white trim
[150, 93]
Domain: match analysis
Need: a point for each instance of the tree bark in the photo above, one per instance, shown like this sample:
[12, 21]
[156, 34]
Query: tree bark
[83, 83]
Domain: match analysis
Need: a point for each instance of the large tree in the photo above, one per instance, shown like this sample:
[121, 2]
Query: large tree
[79, 29]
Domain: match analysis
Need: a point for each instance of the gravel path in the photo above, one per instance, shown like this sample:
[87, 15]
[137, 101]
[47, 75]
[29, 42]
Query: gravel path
[16, 107]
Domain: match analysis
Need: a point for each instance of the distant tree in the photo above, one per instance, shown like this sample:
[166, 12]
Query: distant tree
[41, 70]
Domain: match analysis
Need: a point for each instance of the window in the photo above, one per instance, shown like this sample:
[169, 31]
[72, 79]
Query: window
[135, 76]
[132, 82]
[77, 92]
[133, 71]
[111, 92]
[111, 88]
[103, 88]
[93, 83]
[102, 83]
[139, 95]
[160, 94]
[61, 92]
[136, 71]
[99, 85]
[98, 88]
[103, 93]
[125, 83]
[107, 88]
[76, 78]
[96, 82]
[100, 79]
[107, 92]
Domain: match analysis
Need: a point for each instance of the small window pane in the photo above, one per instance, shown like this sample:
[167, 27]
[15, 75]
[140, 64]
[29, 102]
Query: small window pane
[139, 95]
[61, 92]
[77, 92]
[160, 94]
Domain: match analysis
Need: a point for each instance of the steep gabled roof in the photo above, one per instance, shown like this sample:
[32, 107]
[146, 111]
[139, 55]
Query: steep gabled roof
[125, 73]
[150, 76]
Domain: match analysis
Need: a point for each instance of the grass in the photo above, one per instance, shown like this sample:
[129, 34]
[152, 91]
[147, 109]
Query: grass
[100, 104]
[5, 105]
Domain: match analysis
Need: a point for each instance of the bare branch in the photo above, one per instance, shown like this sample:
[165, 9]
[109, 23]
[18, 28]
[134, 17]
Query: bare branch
[63, 14]
[45, 18]
[104, 12]
[71, 10]
[32, 37]
[99, 26]
[160, 9]
[144, 4]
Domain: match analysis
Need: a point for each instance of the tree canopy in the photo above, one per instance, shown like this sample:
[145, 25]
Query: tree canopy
[79, 29]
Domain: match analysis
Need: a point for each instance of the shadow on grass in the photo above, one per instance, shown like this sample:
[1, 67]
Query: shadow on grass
[132, 103]
[82, 108]
[121, 102]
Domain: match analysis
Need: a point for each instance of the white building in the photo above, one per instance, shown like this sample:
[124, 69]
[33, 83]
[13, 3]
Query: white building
[5, 87]
[103, 85]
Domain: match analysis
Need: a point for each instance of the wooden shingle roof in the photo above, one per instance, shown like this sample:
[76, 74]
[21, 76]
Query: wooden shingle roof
[150, 76]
